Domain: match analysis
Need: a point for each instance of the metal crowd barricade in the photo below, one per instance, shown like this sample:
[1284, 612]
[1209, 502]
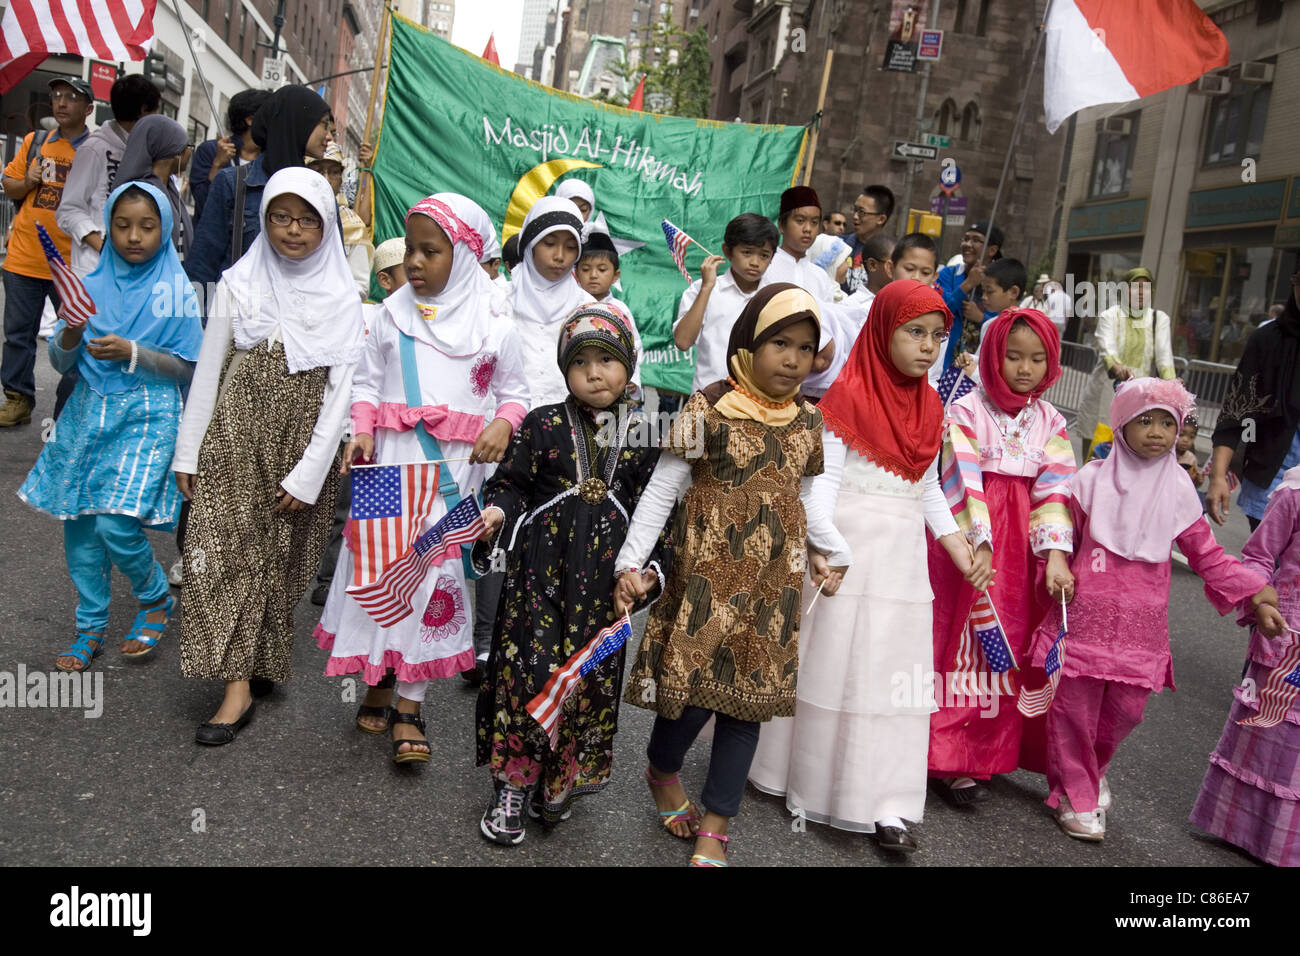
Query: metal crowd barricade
[1208, 381]
[1077, 365]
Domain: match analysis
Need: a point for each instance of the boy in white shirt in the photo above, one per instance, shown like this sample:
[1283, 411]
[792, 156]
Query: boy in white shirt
[597, 271]
[710, 307]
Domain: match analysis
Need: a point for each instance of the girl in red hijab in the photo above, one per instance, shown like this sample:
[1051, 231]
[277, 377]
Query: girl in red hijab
[1005, 464]
[854, 754]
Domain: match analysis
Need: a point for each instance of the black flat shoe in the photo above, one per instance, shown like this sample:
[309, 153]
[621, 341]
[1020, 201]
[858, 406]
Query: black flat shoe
[319, 594]
[260, 686]
[895, 840]
[218, 735]
[412, 755]
[960, 796]
[473, 676]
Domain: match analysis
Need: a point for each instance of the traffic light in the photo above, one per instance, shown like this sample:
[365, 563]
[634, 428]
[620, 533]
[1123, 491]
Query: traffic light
[155, 70]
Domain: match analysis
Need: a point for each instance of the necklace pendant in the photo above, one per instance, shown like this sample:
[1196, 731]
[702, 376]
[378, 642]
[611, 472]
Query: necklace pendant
[592, 491]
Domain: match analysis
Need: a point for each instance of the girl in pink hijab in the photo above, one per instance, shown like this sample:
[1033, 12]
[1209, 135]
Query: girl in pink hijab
[1129, 510]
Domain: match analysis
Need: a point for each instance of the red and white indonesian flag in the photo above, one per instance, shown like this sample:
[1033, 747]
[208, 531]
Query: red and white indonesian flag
[102, 29]
[1116, 51]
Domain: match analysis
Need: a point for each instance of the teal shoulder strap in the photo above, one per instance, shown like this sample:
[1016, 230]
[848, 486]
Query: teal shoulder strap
[447, 486]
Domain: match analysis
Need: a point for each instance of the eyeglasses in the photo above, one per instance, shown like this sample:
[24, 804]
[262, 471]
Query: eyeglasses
[860, 213]
[283, 220]
[919, 335]
[73, 96]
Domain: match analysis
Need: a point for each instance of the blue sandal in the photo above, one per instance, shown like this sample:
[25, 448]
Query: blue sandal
[85, 649]
[155, 629]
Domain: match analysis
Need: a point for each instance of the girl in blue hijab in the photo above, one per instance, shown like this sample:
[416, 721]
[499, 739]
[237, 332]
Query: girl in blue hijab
[104, 470]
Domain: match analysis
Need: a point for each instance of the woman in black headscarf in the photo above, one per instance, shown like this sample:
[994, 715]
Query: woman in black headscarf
[288, 125]
[156, 150]
[293, 122]
[1261, 414]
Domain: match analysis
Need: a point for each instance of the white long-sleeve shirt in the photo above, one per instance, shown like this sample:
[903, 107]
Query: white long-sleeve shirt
[725, 304]
[305, 479]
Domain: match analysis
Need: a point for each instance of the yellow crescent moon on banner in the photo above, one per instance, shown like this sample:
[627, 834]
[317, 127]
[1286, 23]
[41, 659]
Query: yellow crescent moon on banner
[532, 186]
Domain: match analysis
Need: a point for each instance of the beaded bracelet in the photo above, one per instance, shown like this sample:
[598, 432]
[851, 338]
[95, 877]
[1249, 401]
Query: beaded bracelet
[135, 356]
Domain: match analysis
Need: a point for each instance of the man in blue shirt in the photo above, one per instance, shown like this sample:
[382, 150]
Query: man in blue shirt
[960, 287]
[238, 148]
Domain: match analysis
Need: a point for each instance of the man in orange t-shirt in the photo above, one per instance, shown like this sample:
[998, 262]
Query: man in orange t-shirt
[34, 181]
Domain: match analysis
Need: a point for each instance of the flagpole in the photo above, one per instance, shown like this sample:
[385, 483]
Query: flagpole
[821, 102]
[198, 68]
[1015, 131]
[385, 28]
[403, 464]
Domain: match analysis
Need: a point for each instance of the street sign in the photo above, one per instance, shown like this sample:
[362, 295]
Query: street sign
[273, 73]
[950, 175]
[955, 213]
[930, 46]
[934, 139]
[914, 151]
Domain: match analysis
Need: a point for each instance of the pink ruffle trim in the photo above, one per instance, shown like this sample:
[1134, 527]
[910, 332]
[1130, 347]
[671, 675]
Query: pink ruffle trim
[373, 673]
[1254, 779]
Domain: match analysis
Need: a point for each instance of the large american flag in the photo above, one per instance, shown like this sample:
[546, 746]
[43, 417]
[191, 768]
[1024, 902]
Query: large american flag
[389, 505]
[547, 706]
[112, 30]
[1034, 703]
[388, 599]
[677, 243]
[75, 304]
[1279, 690]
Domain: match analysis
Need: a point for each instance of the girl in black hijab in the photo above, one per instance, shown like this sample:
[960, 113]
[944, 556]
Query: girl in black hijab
[293, 122]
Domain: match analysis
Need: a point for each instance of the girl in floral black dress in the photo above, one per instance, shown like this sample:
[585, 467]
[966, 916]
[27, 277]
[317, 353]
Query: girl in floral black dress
[558, 507]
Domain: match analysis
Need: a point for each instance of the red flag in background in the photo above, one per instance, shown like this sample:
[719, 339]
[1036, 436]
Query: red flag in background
[490, 51]
[638, 96]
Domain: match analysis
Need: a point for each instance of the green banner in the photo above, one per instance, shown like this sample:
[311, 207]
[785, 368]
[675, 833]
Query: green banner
[455, 123]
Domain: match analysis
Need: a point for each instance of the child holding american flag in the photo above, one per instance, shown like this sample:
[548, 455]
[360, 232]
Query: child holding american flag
[558, 506]
[1004, 467]
[1251, 793]
[440, 380]
[103, 472]
[1128, 510]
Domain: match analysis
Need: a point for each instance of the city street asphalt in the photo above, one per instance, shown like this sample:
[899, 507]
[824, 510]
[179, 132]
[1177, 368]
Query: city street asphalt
[301, 785]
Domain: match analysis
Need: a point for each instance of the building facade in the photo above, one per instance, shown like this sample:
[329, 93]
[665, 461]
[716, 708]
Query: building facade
[588, 31]
[532, 35]
[1200, 184]
[768, 59]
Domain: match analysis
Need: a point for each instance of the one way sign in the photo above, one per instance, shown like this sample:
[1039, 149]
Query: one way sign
[914, 151]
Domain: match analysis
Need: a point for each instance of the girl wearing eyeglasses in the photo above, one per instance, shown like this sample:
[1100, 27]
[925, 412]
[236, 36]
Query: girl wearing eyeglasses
[256, 455]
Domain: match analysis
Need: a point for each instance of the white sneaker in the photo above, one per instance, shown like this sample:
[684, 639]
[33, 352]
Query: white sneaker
[176, 576]
[1090, 825]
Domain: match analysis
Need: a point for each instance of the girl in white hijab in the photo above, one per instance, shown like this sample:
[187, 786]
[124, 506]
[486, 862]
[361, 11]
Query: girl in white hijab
[544, 292]
[259, 440]
[465, 396]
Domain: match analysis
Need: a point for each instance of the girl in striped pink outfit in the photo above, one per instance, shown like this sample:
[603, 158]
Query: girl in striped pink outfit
[1005, 463]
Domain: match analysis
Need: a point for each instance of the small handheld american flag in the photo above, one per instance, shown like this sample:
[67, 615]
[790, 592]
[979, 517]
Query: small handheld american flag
[677, 243]
[1035, 703]
[388, 599]
[953, 384]
[1279, 691]
[389, 504]
[546, 706]
[984, 621]
[75, 304]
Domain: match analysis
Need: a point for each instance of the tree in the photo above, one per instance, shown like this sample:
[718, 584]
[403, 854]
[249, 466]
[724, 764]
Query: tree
[677, 68]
